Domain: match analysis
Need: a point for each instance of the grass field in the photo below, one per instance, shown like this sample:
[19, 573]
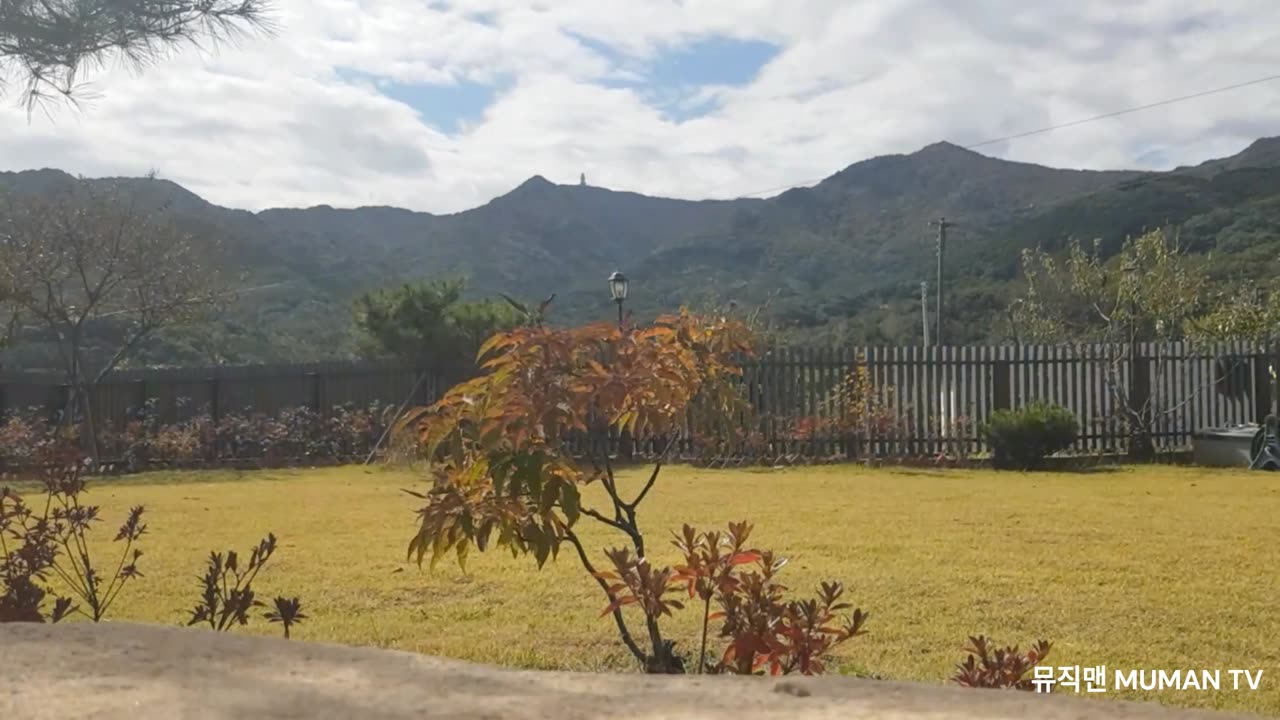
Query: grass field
[1155, 568]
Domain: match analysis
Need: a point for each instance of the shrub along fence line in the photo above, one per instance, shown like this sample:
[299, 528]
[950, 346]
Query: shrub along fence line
[912, 401]
[178, 394]
[251, 416]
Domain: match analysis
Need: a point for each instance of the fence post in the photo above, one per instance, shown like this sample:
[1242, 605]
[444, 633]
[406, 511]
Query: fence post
[142, 396]
[1262, 385]
[215, 414]
[317, 392]
[1140, 392]
[215, 407]
[64, 401]
[1140, 398]
[423, 395]
[1001, 385]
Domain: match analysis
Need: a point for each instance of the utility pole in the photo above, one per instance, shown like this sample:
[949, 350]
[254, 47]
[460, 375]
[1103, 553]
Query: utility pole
[946, 399]
[924, 310]
[942, 225]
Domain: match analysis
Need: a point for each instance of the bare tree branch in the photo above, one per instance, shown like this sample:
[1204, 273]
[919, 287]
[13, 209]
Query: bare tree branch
[653, 477]
[99, 275]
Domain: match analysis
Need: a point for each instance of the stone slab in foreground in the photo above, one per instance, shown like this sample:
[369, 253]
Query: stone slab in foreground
[151, 672]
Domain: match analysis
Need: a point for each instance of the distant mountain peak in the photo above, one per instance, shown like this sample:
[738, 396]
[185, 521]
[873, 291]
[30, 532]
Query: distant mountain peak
[1263, 152]
[896, 172]
[942, 146]
[537, 181]
[946, 151]
[39, 173]
[42, 179]
[1264, 149]
[533, 188]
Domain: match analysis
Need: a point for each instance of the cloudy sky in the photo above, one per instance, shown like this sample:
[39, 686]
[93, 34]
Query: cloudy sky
[441, 106]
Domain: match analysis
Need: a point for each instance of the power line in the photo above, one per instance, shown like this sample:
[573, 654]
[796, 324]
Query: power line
[1060, 126]
[1126, 111]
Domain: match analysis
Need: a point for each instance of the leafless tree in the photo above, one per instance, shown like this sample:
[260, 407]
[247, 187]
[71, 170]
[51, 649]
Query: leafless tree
[1105, 308]
[46, 43]
[94, 273]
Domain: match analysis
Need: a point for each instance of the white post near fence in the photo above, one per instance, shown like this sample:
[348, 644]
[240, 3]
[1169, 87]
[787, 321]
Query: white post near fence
[946, 410]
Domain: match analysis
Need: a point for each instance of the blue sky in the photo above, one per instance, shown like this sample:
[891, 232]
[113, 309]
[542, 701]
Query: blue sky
[450, 107]
[670, 80]
[444, 105]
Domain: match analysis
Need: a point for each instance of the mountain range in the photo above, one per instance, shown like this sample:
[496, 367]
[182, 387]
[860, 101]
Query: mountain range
[841, 261]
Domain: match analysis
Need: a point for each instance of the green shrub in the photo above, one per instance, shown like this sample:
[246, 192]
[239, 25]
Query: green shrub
[1022, 439]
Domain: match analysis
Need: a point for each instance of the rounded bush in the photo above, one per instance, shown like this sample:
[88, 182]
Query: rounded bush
[1021, 439]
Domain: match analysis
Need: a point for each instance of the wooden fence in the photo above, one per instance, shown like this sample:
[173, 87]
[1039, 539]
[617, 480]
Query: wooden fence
[938, 397]
[178, 394]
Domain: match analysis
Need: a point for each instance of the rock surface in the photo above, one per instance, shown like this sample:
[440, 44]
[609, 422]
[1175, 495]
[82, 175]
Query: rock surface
[150, 672]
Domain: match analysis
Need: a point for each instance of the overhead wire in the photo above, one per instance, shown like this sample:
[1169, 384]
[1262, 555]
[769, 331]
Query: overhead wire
[1050, 128]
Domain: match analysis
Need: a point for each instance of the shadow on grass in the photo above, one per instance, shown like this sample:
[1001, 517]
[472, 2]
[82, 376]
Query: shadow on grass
[193, 477]
[1066, 470]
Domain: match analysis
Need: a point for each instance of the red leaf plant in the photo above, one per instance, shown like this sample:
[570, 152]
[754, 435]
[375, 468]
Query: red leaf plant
[988, 666]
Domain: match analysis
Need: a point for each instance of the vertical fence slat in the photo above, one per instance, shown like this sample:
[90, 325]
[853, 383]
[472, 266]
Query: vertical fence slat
[848, 356]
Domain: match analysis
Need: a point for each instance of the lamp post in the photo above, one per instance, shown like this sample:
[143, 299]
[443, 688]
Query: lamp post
[618, 290]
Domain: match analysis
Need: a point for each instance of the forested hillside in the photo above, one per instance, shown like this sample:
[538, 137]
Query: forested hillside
[842, 260]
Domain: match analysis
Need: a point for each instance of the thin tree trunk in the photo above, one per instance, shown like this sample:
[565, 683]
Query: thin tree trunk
[89, 431]
[706, 622]
[623, 632]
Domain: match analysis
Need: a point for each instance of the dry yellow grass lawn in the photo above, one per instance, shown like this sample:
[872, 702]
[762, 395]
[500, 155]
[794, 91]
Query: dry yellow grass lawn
[1154, 568]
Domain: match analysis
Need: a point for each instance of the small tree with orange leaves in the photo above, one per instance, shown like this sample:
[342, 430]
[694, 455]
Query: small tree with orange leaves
[855, 410]
[503, 475]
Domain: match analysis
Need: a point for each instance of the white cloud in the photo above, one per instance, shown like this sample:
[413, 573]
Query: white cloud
[277, 122]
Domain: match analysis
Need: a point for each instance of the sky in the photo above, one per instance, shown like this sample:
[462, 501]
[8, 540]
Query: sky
[442, 106]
